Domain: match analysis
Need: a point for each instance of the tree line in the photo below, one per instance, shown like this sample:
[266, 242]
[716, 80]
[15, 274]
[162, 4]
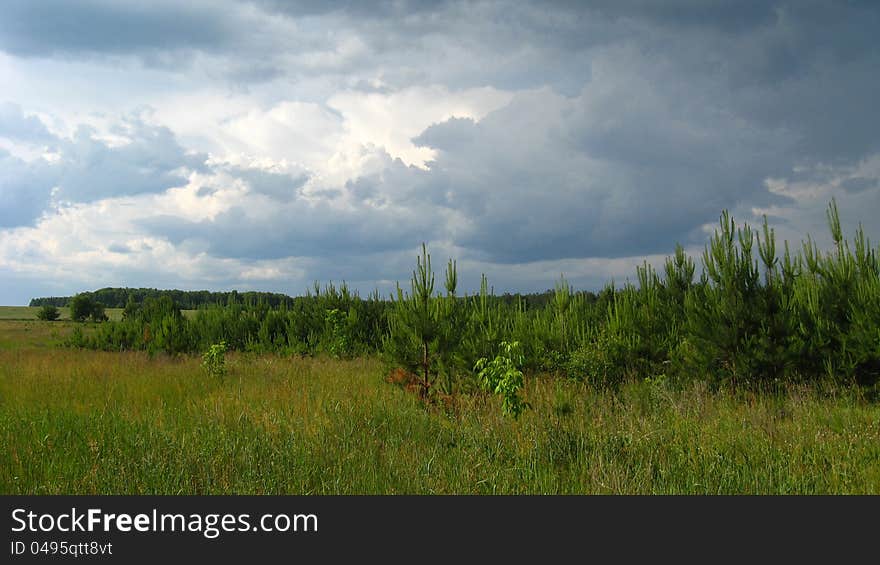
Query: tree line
[118, 297]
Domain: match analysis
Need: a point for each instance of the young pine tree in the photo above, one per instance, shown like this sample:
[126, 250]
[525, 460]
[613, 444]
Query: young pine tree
[414, 324]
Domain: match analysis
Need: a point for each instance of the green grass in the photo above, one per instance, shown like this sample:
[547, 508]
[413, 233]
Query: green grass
[34, 334]
[77, 422]
[30, 313]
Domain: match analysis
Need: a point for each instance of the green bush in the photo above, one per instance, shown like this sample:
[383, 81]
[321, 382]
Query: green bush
[600, 363]
[83, 306]
[48, 313]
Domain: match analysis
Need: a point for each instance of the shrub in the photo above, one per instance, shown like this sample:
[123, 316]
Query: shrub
[97, 314]
[80, 307]
[84, 306]
[77, 339]
[48, 313]
[600, 362]
[172, 334]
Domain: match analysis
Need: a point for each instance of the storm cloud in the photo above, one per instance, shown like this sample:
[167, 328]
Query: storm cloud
[271, 143]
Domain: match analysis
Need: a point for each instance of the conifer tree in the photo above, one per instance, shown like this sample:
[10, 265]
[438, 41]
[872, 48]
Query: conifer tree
[414, 324]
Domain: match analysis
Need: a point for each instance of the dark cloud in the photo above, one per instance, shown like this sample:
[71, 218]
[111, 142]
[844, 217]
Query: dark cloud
[859, 184]
[85, 168]
[25, 189]
[805, 68]
[643, 156]
[15, 125]
[551, 177]
[447, 135]
[119, 248]
[275, 220]
[297, 229]
[375, 9]
[719, 15]
[243, 76]
[102, 27]
[280, 186]
[150, 161]
[206, 191]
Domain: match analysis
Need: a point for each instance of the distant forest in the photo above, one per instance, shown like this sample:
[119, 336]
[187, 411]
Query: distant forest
[115, 297]
[185, 299]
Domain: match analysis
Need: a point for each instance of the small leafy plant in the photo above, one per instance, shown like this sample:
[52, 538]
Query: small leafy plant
[503, 376]
[214, 360]
[336, 323]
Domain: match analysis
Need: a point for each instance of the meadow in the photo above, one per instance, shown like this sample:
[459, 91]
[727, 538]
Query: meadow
[30, 313]
[76, 421]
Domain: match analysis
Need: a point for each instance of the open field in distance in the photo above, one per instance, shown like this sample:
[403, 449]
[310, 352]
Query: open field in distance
[30, 313]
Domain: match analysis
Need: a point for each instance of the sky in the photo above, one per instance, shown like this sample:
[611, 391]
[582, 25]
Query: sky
[265, 145]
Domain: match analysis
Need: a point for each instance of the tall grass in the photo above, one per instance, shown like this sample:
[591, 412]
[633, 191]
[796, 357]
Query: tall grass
[76, 421]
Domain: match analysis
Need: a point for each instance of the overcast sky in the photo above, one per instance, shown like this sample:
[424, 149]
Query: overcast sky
[219, 144]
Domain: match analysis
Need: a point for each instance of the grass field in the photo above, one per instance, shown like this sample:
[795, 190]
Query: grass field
[30, 313]
[33, 334]
[76, 422]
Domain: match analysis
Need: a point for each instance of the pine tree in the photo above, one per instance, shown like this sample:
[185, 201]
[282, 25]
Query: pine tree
[414, 324]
